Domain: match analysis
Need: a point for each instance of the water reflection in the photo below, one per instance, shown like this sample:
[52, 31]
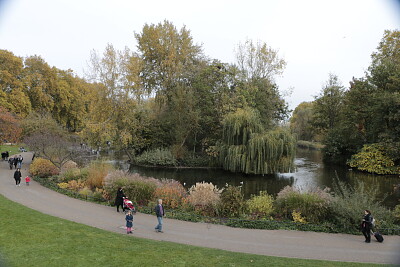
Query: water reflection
[310, 172]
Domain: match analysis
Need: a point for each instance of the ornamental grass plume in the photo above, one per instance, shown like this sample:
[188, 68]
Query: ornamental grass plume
[97, 171]
[204, 197]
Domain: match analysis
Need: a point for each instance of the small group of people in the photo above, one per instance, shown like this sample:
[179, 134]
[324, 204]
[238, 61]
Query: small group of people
[16, 162]
[17, 178]
[5, 155]
[159, 210]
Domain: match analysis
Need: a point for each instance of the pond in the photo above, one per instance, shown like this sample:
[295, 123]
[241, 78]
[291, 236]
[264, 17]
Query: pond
[310, 172]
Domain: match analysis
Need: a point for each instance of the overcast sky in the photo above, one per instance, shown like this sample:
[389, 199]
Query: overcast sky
[314, 37]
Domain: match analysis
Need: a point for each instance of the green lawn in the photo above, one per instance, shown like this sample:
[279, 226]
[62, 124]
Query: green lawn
[30, 238]
[13, 148]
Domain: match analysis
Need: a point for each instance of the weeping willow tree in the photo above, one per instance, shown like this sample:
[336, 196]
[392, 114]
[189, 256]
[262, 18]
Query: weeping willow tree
[247, 147]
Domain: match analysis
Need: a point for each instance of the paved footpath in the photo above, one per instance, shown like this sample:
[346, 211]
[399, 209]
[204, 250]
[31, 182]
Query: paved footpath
[293, 244]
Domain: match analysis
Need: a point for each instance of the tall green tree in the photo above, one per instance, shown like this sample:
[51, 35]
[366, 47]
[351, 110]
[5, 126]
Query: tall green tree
[301, 122]
[328, 104]
[169, 56]
[258, 64]
[370, 109]
[113, 116]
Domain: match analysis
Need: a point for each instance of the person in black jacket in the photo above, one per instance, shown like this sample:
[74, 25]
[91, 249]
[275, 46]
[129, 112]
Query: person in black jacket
[17, 177]
[11, 162]
[119, 199]
[15, 162]
[160, 213]
[366, 226]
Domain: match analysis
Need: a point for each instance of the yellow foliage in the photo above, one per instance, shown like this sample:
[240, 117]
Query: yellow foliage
[43, 168]
[297, 217]
[261, 205]
[63, 185]
[372, 158]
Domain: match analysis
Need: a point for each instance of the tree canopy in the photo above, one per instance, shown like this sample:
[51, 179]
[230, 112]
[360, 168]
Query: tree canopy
[162, 94]
[367, 114]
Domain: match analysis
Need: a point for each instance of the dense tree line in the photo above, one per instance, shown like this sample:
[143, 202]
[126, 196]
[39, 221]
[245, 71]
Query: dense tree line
[164, 94]
[31, 85]
[365, 118]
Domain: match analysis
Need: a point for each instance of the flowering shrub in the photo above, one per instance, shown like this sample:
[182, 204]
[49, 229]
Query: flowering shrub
[204, 197]
[314, 204]
[43, 168]
[172, 193]
[260, 206]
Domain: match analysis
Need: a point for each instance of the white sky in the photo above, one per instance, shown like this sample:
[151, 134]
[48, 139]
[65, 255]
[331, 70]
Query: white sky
[314, 37]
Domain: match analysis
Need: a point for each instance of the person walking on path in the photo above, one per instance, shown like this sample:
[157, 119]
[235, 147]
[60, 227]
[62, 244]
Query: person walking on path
[27, 180]
[160, 213]
[15, 162]
[129, 222]
[11, 162]
[366, 226]
[17, 177]
[119, 199]
[19, 161]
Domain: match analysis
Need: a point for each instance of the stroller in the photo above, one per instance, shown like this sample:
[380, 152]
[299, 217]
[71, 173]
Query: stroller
[128, 205]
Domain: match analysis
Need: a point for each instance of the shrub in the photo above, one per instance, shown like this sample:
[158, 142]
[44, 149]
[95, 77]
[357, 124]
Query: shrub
[69, 165]
[96, 172]
[74, 185]
[373, 158]
[196, 161]
[232, 203]
[297, 217]
[98, 194]
[349, 203]
[71, 174]
[179, 152]
[396, 213]
[204, 197]
[86, 192]
[313, 205]
[260, 206]
[63, 185]
[157, 157]
[172, 193]
[43, 168]
[137, 188]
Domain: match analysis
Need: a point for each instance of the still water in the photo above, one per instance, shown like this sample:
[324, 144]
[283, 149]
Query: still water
[310, 172]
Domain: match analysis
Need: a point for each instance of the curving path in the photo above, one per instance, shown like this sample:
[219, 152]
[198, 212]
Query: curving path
[293, 244]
